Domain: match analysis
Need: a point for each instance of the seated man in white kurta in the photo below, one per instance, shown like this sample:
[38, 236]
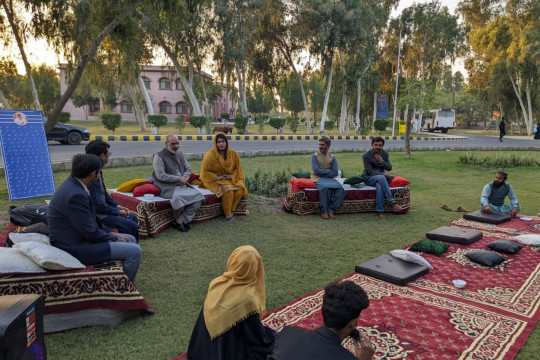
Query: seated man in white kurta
[171, 174]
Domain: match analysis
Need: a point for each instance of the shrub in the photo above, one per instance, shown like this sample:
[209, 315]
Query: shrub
[198, 122]
[276, 122]
[180, 123]
[328, 125]
[111, 121]
[260, 120]
[380, 125]
[269, 184]
[240, 123]
[293, 124]
[225, 115]
[157, 120]
[65, 117]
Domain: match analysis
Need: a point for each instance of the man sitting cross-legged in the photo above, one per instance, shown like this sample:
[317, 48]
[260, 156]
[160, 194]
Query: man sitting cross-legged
[171, 174]
[109, 211]
[493, 195]
[74, 227]
[376, 163]
[342, 304]
[324, 169]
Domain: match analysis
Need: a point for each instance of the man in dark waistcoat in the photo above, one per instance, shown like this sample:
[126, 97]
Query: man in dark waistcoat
[494, 194]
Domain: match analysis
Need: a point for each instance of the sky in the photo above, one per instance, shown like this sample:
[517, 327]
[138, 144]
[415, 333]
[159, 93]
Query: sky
[39, 52]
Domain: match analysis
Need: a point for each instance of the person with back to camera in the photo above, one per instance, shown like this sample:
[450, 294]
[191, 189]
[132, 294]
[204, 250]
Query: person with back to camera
[342, 304]
[109, 211]
[221, 173]
[229, 326]
[74, 227]
[376, 164]
[537, 132]
[502, 129]
[494, 193]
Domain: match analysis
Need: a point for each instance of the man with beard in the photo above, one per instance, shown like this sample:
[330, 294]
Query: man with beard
[171, 174]
[324, 169]
[493, 195]
[376, 165]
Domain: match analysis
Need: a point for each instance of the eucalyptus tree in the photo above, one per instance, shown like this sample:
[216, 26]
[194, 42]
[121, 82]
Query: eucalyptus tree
[435, 38]
[18, 31]
[280, 29]
[501, 48]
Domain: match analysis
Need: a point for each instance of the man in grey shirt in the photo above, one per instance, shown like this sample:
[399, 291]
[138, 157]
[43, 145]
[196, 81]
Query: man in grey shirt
[376, 165]
[171, 174]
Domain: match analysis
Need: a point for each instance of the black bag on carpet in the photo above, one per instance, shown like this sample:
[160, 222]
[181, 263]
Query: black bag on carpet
[28, 214]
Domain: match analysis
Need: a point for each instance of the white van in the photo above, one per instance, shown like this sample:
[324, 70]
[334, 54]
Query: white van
[442, 119]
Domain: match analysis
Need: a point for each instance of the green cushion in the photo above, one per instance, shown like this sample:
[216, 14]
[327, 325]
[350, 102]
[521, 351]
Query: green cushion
[302, 175]
[354, 180]
[430, 246]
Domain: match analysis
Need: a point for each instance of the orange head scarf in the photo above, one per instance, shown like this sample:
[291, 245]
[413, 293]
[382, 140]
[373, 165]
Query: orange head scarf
[214, 166]
[237, 294]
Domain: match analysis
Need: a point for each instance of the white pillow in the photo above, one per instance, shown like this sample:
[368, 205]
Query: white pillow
[528, 239]
[48, 256]
[23, 237]
[410, 257]
[13, 262]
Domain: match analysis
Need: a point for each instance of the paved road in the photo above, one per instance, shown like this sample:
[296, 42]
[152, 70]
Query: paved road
[141, 148]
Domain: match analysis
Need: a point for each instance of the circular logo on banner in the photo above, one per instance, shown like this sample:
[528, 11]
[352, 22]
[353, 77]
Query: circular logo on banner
[20, 119]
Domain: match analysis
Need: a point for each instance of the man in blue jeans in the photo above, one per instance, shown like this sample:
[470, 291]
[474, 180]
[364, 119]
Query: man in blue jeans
[74, 227]
[376, 165]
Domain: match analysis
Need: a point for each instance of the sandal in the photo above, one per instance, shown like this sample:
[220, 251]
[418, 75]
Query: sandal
[460, 209]
[445, 207]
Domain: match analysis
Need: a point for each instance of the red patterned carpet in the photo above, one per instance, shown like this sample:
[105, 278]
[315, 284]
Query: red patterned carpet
[491, 318]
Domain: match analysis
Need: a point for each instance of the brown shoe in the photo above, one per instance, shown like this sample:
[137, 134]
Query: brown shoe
[331, 215]
[325, 216]
[381, 216]
[445, 207]
[395, 206]
[460, 209]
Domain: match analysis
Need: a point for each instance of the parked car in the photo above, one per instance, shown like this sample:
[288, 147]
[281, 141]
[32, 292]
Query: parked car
[67, 134]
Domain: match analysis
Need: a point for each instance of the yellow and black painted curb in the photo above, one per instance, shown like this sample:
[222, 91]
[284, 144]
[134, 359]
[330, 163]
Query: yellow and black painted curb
[263, 137]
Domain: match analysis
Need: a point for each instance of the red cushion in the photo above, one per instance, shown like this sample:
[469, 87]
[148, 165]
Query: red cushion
[192, 177]
[299, 184]
[145, 189]
[399, 181]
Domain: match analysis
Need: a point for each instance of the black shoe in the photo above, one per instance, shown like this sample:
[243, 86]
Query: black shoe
[183, 227]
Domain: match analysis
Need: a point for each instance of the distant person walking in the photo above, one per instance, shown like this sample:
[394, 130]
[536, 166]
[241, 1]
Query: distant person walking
[502, 129]
[537, 132]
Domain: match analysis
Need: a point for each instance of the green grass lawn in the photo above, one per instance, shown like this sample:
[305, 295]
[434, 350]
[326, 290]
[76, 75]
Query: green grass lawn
[133, 128]
[300, 254]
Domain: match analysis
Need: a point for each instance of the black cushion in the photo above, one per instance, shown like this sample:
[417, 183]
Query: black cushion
[505, 246]
[454, 235]
[485, 257]
[391, 269]
[490, 218]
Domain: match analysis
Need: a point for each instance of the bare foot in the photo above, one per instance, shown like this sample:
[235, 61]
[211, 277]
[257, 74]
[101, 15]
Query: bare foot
[395, 207]
[331, 215]
[381, 215]
[325, 216]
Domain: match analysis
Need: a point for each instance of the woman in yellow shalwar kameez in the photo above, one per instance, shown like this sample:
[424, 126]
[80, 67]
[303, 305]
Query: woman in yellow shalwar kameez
[221, 173]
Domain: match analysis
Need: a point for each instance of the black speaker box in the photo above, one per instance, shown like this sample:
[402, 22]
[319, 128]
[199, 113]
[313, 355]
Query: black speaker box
[21, 327]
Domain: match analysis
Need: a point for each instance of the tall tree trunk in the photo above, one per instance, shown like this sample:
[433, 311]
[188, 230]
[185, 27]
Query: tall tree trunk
[327, 96]
[358, 98]
[372, 125]
[344, 96]
[286, 53]
[188, 89]
[407, 138]
[132, 92]
[526, 111]
[89, 55]
[144, 90]
[4, 101]
[15, 29]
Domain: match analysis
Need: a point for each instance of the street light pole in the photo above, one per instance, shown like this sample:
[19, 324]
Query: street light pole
[397, 81]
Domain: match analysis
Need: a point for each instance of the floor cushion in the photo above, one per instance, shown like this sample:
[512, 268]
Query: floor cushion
[489, 218]
[454, 235]
[391, 269]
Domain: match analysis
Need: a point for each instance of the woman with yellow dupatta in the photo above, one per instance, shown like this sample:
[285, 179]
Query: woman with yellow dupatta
[229, 326]
[221, 172]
